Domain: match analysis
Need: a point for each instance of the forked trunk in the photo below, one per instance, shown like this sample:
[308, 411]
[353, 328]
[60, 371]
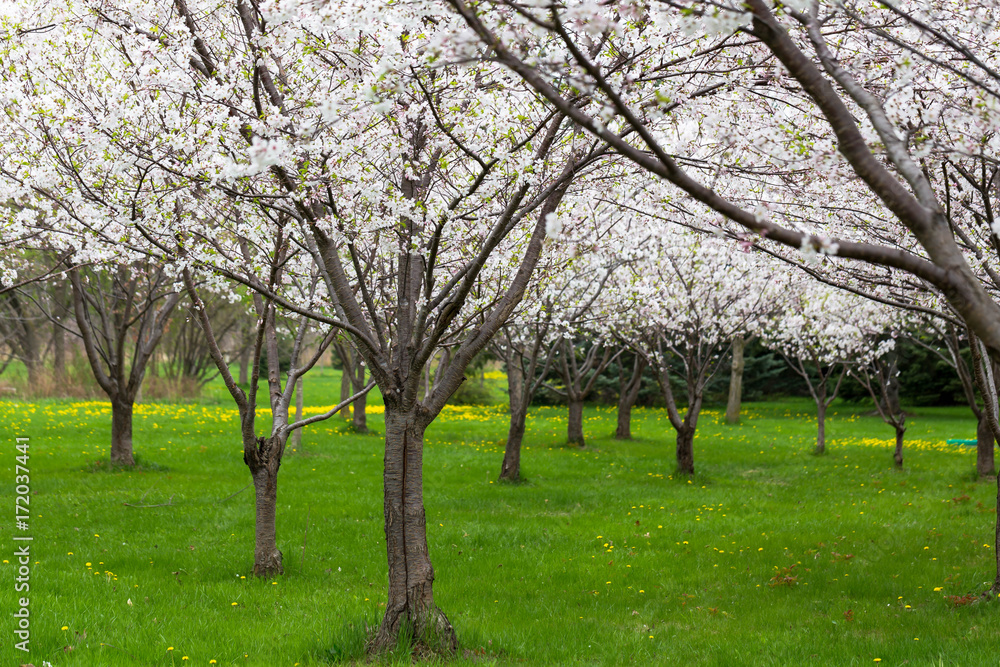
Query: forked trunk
[685, 451]
[574, 426]
[627, 396]
[736, 382]
[121, 432]
[263, 462]
[821, 426]
[984, 446]
[410, 606]
[897, 455]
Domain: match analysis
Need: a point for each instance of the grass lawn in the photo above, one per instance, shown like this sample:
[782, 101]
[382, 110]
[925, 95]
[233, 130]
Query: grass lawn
[602, 557]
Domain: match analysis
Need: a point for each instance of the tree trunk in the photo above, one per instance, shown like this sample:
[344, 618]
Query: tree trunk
[627, 396]
[510, 469]
[685, 451]
[297, 433]
[623, 431]
[897, 455]
[821, 426]
[244, 366]
[121, 432]
[59, 338]
[410, 605]
[736, 382]
[345, 392]
[264, 460]
[890, 397]
[984, 446]
[574, 427]
[360, 421]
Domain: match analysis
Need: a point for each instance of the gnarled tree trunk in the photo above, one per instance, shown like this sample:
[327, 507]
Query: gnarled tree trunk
[410, 602]
[685, 451]
[574, 424]
[510, 469]
[121, 431]
[263, 458]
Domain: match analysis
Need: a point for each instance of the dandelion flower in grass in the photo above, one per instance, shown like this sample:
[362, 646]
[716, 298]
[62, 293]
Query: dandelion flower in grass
[212, 661]
[65, 627]
[235, 604]
[170, 648]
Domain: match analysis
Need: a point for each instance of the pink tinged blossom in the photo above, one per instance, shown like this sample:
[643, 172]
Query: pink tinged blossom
[265, 152]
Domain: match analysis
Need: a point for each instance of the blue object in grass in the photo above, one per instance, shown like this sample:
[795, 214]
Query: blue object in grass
[960, 441]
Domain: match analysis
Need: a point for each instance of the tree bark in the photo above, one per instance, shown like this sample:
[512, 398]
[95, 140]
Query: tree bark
[263, 460]
[410, 603]
[360, 421]
[984, 446]
[627, 397]
[736, 382]
[574, 425]
[510, 469]
[121, 432]
[685, 451]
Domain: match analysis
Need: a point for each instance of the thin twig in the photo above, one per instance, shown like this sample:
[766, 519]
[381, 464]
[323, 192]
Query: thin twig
[169, 503]
[238, 492]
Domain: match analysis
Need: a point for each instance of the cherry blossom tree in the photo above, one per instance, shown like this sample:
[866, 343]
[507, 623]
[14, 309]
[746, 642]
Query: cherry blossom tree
[422, 191]
[822, 331]
[691, 294]
[263, 454]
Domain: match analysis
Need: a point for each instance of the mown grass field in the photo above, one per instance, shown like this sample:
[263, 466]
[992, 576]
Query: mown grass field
[602, 558]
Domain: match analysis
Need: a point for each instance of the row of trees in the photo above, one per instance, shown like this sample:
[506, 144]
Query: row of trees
[558, 181]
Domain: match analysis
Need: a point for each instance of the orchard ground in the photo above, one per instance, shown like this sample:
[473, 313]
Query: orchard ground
[769, 555]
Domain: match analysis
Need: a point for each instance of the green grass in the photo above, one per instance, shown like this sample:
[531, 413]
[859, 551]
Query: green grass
[601, 557]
